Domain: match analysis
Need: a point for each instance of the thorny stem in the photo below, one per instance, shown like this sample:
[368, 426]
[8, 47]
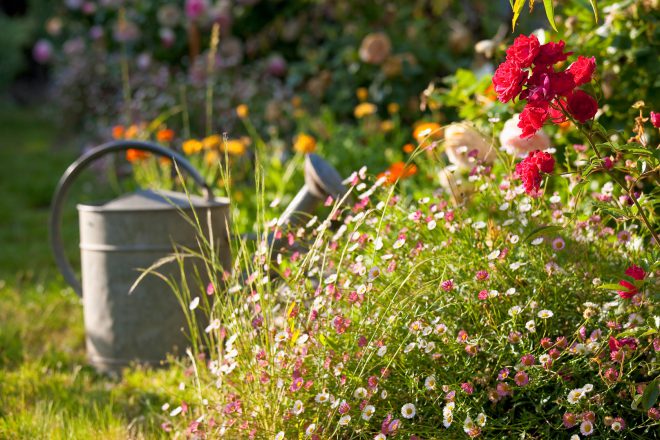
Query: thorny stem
[628, 191]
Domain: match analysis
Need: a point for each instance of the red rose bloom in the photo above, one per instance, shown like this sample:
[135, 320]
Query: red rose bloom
[531, 119]
[551, 53]
[556, 115]
[524, 50]
[655, 119]
[630, 289]
[529, 170]
[561, 83]
[508, 80]
[635, 272]
[582, 106]
[582, 70]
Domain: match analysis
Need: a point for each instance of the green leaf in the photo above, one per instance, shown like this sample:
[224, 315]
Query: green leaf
[610, 286]
[651, 393]
[594, 6]
[541, 230]
[517, 7]
[550, 13]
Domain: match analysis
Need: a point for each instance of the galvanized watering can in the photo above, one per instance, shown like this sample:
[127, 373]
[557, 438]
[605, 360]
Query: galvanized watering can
[124, 235]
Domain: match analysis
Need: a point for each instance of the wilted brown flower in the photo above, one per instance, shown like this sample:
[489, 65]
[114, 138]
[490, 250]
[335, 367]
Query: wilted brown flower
[375, 48]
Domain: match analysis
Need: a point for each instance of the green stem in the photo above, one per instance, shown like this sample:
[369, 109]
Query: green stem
[628, 191]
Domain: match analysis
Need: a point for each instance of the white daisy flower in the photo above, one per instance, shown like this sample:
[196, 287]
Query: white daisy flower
[368, 412]
[360, 393]
[279, 436]
[380, 436]
[430, 383]
[587, 387]
[530, 326]
[545, 314]
[586, 428]
[408, 411]
[382, 350]
[575, 395]
[345, 420]
[322, 397]
[298, 407]
[515, 311]
[310, 430]
[481, 419]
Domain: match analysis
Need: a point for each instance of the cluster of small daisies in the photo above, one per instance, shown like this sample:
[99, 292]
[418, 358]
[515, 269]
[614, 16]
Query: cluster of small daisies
[404, 316]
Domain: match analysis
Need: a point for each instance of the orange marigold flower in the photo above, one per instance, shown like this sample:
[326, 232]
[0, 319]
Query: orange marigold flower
[364, 109]
[398, 171]
[392, 108]
[118, 131]
[304, 143]
[427, 130]
[408, 148]
[242, 111]
[133, 155]
[165, 135]
[362, 94]
[132, 132]
[211, 157]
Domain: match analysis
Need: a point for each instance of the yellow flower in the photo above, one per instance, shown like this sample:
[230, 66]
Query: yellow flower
[212, 141]
[211, 157]
[235, 147]
[304, 143]
[296, 101]
[192, 146]
[242, 111]
[362, 94]
[386, 126]
[364, 109]
[392, 108]
[431, 130]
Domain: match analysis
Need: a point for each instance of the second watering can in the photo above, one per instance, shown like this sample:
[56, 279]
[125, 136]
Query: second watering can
[120, 237]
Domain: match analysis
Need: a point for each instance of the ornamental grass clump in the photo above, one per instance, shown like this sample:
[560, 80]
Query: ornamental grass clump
[418, 319]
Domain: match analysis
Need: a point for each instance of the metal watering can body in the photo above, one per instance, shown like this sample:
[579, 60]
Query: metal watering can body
[119, 238]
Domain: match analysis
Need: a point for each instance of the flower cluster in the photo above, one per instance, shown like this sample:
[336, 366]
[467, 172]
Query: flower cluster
[529, 74]
[530, 169]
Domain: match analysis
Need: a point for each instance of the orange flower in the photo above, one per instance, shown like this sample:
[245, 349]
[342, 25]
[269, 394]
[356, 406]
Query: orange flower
[362, 94]
[427, 130]
[132, 132]
[234, 147]
[398, 171]
[304, 143]
[192, 146]
[242, 111]
[118, 132]
[364, 109]
[165, 135]
[408, 148]
[133, 155]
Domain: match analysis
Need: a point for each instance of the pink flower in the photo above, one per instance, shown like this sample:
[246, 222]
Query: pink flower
[196, 8]
[635, 272]
[521, 378]
[512, 141]
[447, 285]
[42, 52]
[655, 119]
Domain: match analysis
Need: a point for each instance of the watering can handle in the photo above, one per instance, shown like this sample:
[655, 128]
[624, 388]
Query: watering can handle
[74, 170]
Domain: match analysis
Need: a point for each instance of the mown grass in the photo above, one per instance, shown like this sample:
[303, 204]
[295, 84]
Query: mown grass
[46, 388]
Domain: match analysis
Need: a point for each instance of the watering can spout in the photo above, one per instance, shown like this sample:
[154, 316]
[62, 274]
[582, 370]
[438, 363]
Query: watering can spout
[321, 181]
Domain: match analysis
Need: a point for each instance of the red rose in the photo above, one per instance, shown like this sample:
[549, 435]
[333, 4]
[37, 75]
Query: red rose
[630, 289]
[523, 50]
[556, 115]
[618, 344]
[529, 170]
[561, 83]
[582, 70]
[551, 53]
[582, 106]
[655, 119]
[635, 272]
[508, 80]
[531, 119]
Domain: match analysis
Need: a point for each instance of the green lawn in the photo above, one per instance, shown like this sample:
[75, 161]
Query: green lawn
[46, 389]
